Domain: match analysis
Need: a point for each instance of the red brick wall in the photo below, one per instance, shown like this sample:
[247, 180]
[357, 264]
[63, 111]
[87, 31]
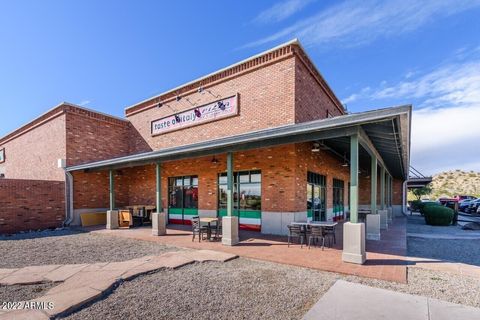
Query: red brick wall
[311, 99]
[92, 189]
[397, 187]
[31, 205]
[284, 175]
[92, 137]
[266, 99]
[323, 163]
[34, 153]
[278, 180]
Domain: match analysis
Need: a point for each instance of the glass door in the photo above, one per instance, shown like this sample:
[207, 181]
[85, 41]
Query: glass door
[183, 199]
[247, 196]
[316, 197]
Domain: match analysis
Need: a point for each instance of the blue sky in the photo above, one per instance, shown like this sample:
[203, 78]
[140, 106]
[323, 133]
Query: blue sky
[107, 55]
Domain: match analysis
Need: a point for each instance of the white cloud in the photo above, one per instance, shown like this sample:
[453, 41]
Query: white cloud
[446, 139]
[356, 22]
[84, 103]
[354, 97]
[281, 11]
[455, 84]
[446, 119]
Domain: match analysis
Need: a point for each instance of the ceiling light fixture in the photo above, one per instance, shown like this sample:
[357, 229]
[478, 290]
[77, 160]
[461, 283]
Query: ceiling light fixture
[316, 147]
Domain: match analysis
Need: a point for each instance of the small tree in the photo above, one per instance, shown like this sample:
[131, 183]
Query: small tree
[419, 192]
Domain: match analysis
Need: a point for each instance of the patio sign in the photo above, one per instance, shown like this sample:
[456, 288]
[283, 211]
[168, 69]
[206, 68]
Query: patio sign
[210, 112]
[2, 155]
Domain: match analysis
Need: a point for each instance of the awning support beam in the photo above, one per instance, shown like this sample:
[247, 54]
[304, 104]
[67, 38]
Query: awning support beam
[112, 190]
[373, 184]
[229, 184]
[158, 187]
[354, 178]
[382, 188]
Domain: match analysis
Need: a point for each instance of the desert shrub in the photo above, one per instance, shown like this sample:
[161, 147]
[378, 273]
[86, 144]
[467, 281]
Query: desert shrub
[423, 205]
[437, 215]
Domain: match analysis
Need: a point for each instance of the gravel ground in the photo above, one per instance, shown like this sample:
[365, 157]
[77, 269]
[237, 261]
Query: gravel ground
[238, 289]
[465, 251]
[69, 246]
[250, 289]
[23, 292]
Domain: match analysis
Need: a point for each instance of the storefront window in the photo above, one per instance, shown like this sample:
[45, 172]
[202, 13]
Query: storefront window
[316, 197]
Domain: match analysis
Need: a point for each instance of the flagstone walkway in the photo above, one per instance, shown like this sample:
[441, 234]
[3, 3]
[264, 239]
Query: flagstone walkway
[82, 283]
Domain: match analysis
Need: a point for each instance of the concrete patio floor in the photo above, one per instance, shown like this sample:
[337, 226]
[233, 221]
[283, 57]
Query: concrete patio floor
[385, 258]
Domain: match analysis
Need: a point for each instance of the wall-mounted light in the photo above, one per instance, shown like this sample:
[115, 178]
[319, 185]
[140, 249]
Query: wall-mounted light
[197, 113]
[316, 147]
[159, 105]
[200, 90]
[214, 160]
[345, 162]
[221, 105]
[178, 98]
[177, 118]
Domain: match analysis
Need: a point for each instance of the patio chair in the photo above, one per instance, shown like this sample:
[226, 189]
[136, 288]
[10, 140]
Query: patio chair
[316, 234]
[197, 229]
[295, 232]
[216, 229]
[329, 233]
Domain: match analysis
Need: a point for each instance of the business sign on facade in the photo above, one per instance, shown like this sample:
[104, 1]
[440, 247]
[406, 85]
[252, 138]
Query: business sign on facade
[220, 109]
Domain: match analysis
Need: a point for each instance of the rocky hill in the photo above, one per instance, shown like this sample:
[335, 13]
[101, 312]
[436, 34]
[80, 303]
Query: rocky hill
[458, 182]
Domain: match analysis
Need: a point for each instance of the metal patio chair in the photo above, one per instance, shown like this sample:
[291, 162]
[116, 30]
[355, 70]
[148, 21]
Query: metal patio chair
[198, 229]
[316, 234]
[329, 233]
[295, 232]
[216, 229]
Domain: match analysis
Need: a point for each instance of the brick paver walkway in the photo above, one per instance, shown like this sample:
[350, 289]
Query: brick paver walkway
[82, 283]
[385, 258]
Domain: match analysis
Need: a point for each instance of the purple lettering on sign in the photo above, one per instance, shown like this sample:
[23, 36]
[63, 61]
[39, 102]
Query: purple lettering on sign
[210, 112]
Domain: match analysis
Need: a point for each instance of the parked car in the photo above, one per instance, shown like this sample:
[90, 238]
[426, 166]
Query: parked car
[464, 204]
[473, 206]
[460, 198]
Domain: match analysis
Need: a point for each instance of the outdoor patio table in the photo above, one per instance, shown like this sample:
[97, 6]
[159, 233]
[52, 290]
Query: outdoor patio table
[208, 220]
[314, 223]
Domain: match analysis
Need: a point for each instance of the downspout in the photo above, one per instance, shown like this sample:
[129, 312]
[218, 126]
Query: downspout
[68, 199]
[404, 198]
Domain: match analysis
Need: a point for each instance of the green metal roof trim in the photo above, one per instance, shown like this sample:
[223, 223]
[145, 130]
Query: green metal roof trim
[400, 117]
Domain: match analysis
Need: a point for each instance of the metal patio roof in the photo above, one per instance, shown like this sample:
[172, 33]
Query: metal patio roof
[386, 130]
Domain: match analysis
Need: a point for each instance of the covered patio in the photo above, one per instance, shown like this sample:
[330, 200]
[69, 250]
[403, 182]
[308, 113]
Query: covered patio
[375, 144]
[385, 259]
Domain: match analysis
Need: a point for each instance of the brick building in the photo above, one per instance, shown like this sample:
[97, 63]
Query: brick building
[268, 131]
